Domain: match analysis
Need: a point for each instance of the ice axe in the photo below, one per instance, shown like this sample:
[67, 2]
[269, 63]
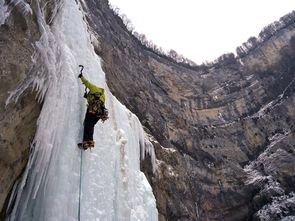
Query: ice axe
[81, 74]
[82, 67]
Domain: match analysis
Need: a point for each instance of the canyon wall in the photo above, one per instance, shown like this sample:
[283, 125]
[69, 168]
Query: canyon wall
[223, 133]
[208, 123]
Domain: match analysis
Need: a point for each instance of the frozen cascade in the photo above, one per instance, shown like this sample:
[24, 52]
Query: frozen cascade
[112, 188]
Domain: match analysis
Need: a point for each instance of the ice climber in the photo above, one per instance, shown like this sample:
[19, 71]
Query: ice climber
[95, 110]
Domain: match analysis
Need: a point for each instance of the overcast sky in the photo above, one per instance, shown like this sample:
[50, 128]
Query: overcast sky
[202, 30]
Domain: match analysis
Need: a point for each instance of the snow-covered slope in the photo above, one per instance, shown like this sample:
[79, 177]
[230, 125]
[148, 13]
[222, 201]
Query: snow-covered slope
[62, 182]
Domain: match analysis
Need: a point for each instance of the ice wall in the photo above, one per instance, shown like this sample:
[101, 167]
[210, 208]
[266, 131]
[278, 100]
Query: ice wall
[111, 185]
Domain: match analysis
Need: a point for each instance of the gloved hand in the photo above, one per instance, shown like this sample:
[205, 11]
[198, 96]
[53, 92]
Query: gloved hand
[80, 75]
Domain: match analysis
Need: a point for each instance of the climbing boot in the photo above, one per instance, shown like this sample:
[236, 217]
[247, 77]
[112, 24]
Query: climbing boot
[86, 144]
[90, 143]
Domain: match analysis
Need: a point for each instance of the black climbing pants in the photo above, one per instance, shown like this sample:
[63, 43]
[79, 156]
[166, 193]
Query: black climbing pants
[89, 123]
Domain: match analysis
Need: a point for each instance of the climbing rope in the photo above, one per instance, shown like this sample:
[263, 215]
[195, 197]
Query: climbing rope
[80, 187]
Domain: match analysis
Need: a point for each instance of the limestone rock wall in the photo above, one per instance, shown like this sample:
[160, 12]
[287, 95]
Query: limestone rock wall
[208, 123]
[17, 120]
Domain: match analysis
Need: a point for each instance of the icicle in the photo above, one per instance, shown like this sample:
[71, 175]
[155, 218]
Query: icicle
[146, 147]
[44, 69]
[113, 187]
[149, 149]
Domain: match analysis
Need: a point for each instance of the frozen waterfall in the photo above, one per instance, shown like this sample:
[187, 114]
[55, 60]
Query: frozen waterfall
[112, 186]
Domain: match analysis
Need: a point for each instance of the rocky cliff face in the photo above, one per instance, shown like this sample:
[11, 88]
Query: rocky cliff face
[18, 120]
[214, 127]
[223, 134]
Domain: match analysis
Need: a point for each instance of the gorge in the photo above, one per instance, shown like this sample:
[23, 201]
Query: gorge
[223, 133]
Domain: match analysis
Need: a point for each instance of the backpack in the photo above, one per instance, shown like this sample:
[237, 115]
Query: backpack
[97, 108]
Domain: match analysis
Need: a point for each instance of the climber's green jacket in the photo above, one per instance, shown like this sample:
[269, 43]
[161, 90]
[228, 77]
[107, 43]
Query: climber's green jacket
[93, 89]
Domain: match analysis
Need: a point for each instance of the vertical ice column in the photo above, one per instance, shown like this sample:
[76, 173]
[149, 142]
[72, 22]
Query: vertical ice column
[112, 187]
